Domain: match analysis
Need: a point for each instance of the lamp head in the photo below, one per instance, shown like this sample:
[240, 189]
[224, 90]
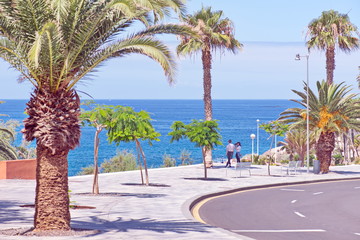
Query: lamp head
[252, 136]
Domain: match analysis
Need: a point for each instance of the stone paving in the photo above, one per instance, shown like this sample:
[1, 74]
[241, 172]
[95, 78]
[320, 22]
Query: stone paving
[127, 210]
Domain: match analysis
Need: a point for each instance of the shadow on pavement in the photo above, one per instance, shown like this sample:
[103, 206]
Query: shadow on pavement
[115, 194]
[145, 224]
[10, 212]
[207, 179]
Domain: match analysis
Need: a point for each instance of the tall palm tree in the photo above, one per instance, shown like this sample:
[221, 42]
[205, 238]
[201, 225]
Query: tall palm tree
[216, 33]
[54, 44]
[333, 111]
[332, 29]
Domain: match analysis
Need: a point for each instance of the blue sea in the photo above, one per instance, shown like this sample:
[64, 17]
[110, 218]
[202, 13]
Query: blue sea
[237, 121]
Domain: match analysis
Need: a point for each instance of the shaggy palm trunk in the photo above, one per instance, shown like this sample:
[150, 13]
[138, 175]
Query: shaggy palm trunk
[53, 122]
[324, 147]
[330, 64]
[206, 60]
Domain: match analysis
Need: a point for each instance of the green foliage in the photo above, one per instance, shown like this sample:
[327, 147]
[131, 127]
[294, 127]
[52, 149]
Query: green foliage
[87, 170]
[275, 128]
[123, 161]
[7, 137]
[202, 133]
[168, 161]
[185, 157]
[213, 29]
[127, 126]
[97, 116]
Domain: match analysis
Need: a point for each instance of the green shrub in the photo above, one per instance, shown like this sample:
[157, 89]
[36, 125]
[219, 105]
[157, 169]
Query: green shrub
[123, 161]
[185, 157]
[357, 160]
[87, 170]
[168, 161]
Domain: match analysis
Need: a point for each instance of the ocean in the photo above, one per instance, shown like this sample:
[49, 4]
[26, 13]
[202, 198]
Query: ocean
[237, 121]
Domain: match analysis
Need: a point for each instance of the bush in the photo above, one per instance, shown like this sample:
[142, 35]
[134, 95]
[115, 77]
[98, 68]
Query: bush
[185, 157]
[122, 161]
[87, 170]
[168, 161]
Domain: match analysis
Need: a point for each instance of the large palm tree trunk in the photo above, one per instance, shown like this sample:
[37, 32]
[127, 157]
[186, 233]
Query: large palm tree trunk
[330, 64]
[53, 122]
[206, 60]
[324, 148]
[52, 197]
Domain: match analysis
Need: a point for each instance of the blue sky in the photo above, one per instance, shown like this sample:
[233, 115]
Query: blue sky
[272, 32]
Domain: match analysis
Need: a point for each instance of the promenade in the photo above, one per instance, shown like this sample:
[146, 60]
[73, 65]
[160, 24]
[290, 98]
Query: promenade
[127, 210]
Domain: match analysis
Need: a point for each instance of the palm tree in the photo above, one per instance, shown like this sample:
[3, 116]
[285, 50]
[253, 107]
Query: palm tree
[54, 44]
[333, 111]
[295, 142]
[216, 33]
[332, 29]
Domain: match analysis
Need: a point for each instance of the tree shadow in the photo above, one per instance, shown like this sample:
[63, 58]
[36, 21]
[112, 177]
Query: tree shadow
[150, 184]
[9, 212]
[115, 194]
[344, 172]
[147, 224]
[208, 179]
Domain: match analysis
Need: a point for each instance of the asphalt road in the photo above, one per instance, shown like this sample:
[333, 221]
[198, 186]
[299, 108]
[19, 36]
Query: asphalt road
[318, 211]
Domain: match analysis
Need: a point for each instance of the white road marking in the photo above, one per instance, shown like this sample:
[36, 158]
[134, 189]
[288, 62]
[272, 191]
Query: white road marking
[293, 201]
[280, 231]
[356, 187]
[292, 190]
[299, 214]
[357, 234]
[317, 193]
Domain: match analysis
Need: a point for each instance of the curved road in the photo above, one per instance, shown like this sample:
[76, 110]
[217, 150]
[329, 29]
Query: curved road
[314, 211]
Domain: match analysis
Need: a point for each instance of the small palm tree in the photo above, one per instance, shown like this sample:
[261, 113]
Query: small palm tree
[54, 44]
[216, 33]
[296, 142]
[332, 29]
[333, 111]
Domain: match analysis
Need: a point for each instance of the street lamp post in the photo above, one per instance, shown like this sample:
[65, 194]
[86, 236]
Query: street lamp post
[252, 136]
[298, 57]
[258, 136]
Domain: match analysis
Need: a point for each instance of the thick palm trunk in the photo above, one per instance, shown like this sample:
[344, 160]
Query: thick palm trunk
[53, 122]
[206, 60]
[52, 196]
[330, 64]
[324, 147]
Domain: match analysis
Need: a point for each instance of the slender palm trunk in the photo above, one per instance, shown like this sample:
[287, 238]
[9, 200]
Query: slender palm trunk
[145, 164]
[54, 122]
[330, 64]
[206, 60]
[203, 155]
[139, 162]
[324, 147]
[95, 189]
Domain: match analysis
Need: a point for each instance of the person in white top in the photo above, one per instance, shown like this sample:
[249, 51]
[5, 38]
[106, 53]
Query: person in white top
[229, 153]
[238, 149]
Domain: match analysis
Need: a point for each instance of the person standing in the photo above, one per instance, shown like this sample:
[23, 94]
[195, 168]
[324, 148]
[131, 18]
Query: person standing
[238, 149]
[229, 152]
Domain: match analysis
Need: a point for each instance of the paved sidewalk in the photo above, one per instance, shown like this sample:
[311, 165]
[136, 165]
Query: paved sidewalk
[127, 210]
